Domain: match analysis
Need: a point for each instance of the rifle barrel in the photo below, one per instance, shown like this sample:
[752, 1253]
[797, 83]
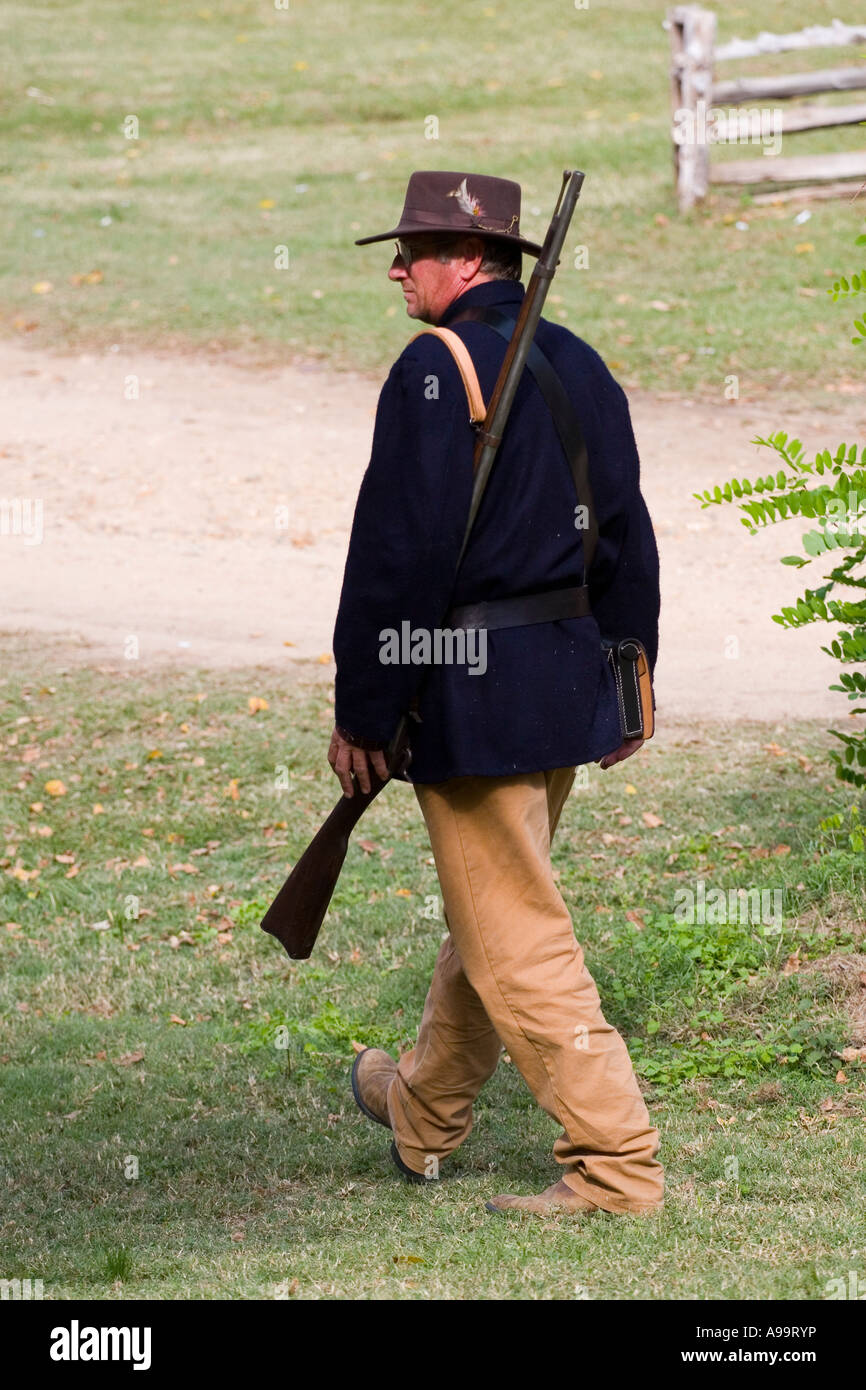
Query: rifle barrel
[521, 340]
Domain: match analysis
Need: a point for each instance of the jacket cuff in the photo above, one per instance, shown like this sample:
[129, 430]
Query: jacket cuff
[368, 744]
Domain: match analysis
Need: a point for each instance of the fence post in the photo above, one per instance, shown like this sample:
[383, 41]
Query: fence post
[693, 34]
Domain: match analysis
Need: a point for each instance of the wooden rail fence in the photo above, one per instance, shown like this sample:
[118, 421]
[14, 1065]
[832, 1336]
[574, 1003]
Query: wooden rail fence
[698, 122]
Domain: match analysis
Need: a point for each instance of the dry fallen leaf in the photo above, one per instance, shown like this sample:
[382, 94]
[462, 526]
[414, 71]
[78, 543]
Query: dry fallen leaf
[127, 1060]
[256, 703]
[23, 875]
[173, 1018]
[175, 942]
[55, 787]
[652, 820]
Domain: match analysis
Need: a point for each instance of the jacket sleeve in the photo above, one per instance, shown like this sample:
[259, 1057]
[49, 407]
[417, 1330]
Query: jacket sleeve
[624, 580]
[405, 540]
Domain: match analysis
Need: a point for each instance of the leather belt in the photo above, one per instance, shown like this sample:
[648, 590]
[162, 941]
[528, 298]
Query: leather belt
[522, 609]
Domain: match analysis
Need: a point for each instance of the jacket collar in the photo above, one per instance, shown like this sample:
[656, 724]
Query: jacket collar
[483, 296]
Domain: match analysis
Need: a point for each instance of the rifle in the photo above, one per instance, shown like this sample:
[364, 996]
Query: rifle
[298, 911]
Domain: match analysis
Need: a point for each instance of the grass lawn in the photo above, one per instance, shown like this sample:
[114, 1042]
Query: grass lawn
[160, 1141]
[155, 157]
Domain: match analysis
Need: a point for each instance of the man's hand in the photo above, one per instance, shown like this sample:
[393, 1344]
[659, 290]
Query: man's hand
[625, 750]
[345, 759]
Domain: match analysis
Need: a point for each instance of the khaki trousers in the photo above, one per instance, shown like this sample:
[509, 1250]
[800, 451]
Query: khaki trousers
[511, 972]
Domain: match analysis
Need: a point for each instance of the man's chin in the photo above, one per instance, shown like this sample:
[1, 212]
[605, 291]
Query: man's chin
[414, 312]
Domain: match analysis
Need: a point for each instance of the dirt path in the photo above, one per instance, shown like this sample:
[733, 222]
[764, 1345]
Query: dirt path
[159, 521]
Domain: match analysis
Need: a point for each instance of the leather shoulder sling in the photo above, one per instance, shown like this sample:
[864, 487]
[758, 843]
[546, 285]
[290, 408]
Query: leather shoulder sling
[466, 368]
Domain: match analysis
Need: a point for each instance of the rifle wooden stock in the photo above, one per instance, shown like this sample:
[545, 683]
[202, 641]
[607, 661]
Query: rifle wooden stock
[297, 912]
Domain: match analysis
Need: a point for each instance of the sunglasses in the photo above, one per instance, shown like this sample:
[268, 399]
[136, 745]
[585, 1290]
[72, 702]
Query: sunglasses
[408, 253]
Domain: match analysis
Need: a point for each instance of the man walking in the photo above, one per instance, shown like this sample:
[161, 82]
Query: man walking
[495, 743]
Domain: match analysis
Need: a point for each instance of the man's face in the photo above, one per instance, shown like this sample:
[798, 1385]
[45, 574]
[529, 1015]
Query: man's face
[430, 285]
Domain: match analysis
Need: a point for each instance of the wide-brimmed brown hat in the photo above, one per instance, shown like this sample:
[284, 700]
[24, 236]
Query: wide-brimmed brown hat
[439, 201]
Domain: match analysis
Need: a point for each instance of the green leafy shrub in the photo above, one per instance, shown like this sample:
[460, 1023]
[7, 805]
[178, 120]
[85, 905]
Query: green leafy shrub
[829, 490]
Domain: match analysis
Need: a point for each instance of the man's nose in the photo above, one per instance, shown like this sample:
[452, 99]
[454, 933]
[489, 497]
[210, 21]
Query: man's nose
[397, 270]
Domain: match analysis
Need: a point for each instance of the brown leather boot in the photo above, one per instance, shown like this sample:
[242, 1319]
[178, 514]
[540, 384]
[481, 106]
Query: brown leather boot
[372, 1074]
[559, 1197]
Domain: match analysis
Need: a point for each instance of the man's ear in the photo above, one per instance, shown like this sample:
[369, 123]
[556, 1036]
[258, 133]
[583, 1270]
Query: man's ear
[473, 252]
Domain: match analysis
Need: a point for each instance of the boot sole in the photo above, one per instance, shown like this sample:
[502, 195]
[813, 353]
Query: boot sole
[409, 1173]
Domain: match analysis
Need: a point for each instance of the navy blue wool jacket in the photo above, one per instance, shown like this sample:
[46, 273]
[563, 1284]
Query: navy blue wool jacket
[546, 698]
